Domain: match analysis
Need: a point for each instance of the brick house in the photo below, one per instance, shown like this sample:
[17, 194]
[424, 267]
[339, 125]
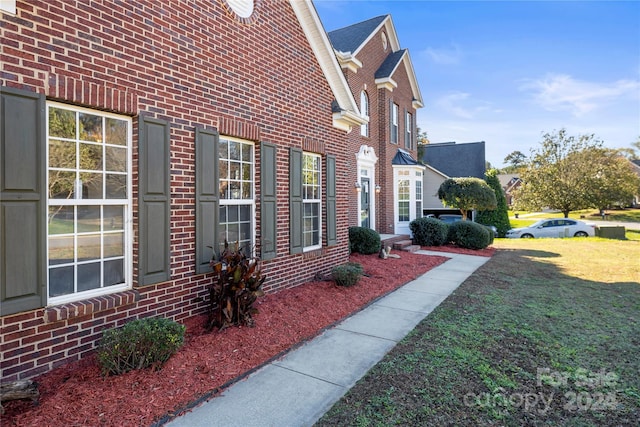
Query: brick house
[382, 79]
[138, 135]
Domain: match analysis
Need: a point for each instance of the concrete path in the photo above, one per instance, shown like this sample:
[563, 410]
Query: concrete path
[299, 388]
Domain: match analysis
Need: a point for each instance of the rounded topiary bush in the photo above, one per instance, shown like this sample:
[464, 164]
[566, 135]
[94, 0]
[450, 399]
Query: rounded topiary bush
[347, 274]
[469, 235]
[364, 240]
[429, 231]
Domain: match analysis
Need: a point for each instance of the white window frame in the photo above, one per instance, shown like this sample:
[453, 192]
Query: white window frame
[394, 123]
[78, 202]
[364, 111]
[311, 179]
[408, 126]
[229, 200]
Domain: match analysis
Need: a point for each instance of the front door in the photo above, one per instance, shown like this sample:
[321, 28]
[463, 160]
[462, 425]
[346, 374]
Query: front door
[365, 202]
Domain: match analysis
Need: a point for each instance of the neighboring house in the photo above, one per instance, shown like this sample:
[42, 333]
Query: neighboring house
[449, 160]
[138, 136]
[509, 183]
[384, 173]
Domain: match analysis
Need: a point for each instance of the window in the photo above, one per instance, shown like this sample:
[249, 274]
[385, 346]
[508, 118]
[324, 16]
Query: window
[364, 110]
[237, 205]
[418, 196]
[404, 199]
[311, 199]
[89, 202]
[408, 134]
[394, 123]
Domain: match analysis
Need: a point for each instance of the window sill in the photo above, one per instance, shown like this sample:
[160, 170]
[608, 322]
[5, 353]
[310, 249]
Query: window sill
[90, 306]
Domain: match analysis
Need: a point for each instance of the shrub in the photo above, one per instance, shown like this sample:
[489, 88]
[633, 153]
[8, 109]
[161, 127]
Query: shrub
[347, 274]
[236, 284]
[139, 344]
[429, 231]
[470, 235]
[364, 240]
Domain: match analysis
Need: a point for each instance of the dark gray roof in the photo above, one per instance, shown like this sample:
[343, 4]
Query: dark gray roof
[456, 160]
[403, 158]
[349, 39]
[390, 64]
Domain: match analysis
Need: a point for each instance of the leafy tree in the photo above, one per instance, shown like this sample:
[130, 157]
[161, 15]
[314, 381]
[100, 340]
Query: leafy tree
[633, 152]
[498, 217]
[568, 173]
[611, 180]
[421, 137]
[467, 194]
[516, 159]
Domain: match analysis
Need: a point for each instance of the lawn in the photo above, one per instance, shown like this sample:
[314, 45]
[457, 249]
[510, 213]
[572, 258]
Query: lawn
[546, 333]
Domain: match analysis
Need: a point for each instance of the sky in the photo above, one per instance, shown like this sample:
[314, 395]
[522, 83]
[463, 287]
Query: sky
[508, 72]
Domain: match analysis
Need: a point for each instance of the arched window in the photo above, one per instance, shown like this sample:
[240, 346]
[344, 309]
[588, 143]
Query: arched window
[364, 110]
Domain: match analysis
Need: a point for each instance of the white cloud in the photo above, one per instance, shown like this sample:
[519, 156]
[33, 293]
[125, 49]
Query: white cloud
[444, 56]
[561, 92]
[460, 104]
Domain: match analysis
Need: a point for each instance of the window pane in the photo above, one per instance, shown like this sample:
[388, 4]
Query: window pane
[233, 213]
[88, 276]
[60, 220]
[113, 218]
[89, 246]
[223, 214]
[246, 190]
[62, 123]
[224, 170]
[91, 185]
[61, 281]
[61, 184]
[234, 150]
[113, 245]
[62, 154]
[246, 172]
[91, 157]
[88, 218]
[223, 149]
[245, 213]
[247, 153]
[116, 186]
[90, 127]
[116, 159]
[61, 250]
[113, 272]
[116, 131]
[235, 190]
[234, 170]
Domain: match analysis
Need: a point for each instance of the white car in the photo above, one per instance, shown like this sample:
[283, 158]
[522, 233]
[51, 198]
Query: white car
[563, 227]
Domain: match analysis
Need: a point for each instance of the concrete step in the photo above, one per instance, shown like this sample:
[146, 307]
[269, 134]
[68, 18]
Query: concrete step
[401, 244]
[411, 248]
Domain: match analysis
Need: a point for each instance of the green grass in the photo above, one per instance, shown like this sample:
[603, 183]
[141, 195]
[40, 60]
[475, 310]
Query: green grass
[557, 319]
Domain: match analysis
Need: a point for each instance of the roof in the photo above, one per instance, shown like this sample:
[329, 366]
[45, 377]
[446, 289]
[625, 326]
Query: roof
[349, 39]
[404, 158]
[390, 64]
[457, 160]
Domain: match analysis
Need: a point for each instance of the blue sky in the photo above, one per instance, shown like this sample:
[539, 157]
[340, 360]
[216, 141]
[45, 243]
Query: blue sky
[506, 72]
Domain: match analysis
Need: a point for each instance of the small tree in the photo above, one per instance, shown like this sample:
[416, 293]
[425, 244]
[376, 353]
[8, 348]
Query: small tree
[467, 194]
[498, 217]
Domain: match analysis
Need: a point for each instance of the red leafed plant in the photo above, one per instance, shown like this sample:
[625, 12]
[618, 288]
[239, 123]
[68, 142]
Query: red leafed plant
[236, 284]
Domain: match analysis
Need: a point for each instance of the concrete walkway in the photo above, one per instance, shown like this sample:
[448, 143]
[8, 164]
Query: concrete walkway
[299, 388]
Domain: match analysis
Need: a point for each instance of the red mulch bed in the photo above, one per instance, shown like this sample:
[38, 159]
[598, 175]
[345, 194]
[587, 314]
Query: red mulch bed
[77, 393]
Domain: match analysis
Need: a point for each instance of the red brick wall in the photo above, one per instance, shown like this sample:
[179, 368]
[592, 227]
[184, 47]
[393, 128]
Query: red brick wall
[372, 56]
[193, 64]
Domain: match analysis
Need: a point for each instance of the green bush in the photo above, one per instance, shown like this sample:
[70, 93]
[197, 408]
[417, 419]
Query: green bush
[364, 240]
[470, 235]
[429, 231]
[139, 344]
[347, 274]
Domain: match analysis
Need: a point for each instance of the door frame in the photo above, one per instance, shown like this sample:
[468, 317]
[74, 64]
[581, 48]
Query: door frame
[366, 160]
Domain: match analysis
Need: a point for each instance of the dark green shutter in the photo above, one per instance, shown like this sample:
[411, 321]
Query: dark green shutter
[295, 201]
[154, 201]
[23, 214]
[332, 237]
[268, 202]
[207, 197]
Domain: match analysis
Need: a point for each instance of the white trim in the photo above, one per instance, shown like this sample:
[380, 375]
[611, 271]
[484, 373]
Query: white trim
[402, 227]
[366, 159]
[317, 201]
[8, 6]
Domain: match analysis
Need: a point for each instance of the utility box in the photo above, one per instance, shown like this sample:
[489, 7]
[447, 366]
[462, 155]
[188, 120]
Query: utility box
[611, 232]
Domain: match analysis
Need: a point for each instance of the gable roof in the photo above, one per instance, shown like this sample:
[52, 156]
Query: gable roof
[403, 157]
[456, 160]
[345, 110]
[349, 41]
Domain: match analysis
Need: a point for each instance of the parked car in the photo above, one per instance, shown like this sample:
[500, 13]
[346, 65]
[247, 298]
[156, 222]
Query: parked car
[554, 228]
[451, 218]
